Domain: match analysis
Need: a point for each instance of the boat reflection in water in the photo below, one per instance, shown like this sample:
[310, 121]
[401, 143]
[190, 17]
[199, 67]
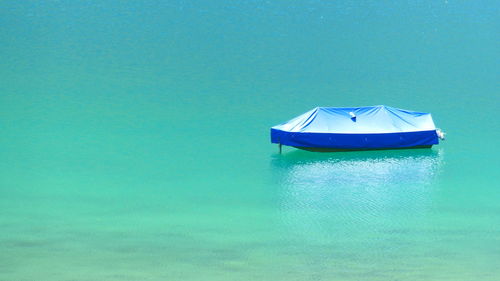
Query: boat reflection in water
[355, 203]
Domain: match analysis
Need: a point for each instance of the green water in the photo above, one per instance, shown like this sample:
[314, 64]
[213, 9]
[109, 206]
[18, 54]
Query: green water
[135, 145]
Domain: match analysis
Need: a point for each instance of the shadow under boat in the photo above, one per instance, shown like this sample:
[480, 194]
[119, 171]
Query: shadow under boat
[328, 149]
[303, 155]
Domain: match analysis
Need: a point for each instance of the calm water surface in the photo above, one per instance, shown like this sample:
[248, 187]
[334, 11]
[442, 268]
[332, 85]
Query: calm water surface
[135, 141]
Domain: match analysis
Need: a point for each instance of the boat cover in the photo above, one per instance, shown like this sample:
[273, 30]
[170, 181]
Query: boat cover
[368, 127]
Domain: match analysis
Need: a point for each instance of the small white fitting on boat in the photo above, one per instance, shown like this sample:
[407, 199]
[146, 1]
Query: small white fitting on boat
[440, 134]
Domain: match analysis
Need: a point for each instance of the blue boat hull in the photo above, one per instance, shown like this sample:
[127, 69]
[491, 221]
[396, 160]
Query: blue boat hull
[335, 141]
[326, 149]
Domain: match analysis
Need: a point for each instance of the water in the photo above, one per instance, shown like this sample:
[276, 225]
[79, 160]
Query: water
[135, 141]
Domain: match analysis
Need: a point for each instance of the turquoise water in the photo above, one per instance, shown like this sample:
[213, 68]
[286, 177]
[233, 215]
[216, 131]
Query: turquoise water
[135, 141]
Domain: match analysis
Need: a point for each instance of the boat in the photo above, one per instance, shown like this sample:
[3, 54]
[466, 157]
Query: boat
[358, 128]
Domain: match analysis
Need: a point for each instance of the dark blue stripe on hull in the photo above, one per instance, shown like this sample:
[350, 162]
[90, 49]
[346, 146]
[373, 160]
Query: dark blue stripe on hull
[355, 141]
